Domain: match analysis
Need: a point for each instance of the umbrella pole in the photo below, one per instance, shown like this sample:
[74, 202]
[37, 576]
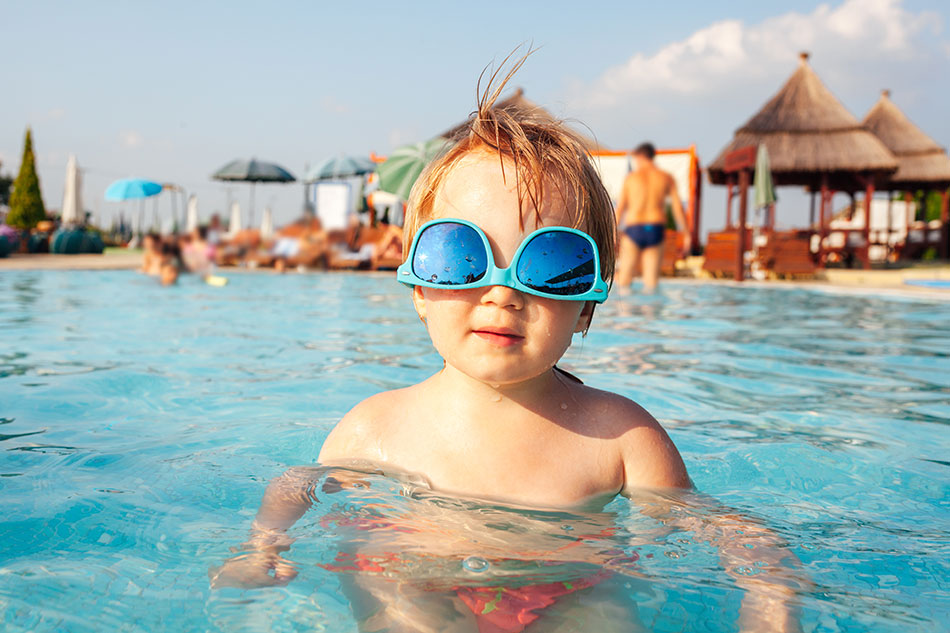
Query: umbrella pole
[184, 208]
[141, 215]
[250, 220]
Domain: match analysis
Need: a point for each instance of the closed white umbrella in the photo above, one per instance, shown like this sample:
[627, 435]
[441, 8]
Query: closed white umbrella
[72, 194]
[235, 225]
[191, 219]
[267, 224]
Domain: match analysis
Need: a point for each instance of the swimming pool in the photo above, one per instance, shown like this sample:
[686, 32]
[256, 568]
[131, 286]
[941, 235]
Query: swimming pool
[139, 426]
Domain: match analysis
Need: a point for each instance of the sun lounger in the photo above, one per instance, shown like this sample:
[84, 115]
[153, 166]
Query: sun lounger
[787, 254]
[720, 260]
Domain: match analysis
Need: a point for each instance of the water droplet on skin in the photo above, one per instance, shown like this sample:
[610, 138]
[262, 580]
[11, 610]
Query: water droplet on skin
[475, 564]
[563, 405]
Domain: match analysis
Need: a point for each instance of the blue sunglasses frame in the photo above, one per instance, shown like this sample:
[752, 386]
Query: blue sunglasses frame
[495, 276]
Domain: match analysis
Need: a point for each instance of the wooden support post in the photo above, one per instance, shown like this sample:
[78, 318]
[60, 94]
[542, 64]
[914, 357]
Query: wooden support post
[868, 197]
[887, 232]
[697, 204]
[811, 212]
[729, 203]
[945, 224]
[823, 227]
[740, 238]
[911, 213]
[851, 208]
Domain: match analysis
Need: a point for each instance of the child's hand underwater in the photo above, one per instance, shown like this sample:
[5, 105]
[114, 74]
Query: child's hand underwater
[253, 569]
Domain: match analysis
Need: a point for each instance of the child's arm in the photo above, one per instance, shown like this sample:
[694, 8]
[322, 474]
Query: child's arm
[286, 499]
[752, 554]
[651, 461]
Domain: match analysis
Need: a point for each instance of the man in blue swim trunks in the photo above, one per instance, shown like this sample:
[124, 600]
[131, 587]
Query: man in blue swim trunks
[641, 218]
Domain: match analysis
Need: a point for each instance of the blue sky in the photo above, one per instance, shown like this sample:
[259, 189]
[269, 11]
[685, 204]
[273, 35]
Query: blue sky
[173, 90]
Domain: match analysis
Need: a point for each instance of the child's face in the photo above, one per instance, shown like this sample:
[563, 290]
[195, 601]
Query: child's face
[497, 334]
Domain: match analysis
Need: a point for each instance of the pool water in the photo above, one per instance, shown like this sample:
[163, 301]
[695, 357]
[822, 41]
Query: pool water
[139, 426]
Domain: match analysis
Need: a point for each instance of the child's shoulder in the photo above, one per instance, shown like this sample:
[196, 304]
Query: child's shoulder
[649, 455]
[358, 433]
[613, 412]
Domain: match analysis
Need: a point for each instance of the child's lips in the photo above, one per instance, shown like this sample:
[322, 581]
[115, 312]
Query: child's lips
[503, 337]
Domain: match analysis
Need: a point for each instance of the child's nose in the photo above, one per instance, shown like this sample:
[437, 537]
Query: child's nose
[503, 297]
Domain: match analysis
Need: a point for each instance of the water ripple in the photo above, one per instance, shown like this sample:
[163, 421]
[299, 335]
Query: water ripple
[822, 417]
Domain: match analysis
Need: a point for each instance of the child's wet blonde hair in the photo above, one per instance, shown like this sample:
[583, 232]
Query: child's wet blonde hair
[545, 153]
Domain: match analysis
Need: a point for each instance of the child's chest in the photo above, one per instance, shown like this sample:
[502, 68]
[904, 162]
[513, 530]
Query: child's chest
[531, 464]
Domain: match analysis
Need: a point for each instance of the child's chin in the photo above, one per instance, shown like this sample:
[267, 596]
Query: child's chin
[504, 376]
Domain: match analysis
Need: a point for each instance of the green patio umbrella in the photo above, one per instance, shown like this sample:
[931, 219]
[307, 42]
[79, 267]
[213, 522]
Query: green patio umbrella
[399, 172]
[340, 167]
[764, 189]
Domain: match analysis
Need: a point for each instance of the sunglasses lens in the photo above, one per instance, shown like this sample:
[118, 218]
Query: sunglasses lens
[557, 263]
[450, 254]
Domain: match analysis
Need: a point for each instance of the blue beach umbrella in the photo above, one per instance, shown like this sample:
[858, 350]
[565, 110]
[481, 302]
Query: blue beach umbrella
[132, 189]
[340, 167]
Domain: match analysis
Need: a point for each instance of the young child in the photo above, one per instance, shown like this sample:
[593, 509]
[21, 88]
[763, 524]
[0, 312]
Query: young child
[500, 421]
[511, 239]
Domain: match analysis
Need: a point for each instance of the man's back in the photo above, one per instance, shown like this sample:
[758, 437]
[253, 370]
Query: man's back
[646, 190]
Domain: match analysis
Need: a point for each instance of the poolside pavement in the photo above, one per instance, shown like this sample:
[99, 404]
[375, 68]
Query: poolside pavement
[86, 261]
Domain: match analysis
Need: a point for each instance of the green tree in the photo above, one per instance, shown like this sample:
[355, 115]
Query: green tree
[932, 202]
[26, 201]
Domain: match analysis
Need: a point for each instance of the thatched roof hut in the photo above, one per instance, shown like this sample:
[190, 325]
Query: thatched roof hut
[810, 135]
[518, 102]
[921, 163]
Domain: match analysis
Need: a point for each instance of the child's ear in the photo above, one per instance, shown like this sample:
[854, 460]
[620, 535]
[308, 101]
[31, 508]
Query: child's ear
[419, 301]
[585, 318]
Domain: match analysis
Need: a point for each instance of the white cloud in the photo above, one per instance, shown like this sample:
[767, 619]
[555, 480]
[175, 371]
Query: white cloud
[725, 54]
[130, 138]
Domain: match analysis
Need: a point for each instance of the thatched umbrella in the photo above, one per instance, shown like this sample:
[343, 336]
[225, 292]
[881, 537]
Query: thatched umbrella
[810, 138]
[921, 163]
[812, 141]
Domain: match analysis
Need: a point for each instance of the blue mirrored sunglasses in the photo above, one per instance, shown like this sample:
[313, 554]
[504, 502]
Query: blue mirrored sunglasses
[553, 262]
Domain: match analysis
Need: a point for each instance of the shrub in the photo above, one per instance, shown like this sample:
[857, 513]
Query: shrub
[26, 201]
